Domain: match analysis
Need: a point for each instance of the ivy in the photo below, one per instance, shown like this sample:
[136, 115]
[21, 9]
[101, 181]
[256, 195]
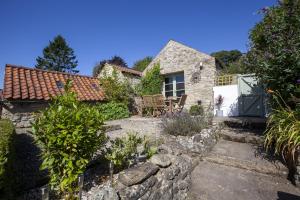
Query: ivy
[151, 83]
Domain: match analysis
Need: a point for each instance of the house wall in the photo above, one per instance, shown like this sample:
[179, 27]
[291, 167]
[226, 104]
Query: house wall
[22, 113]
[175, 57]
[108, 69]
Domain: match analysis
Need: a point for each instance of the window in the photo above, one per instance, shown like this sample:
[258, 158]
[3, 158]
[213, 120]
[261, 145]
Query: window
[59, 84]
[174, 85]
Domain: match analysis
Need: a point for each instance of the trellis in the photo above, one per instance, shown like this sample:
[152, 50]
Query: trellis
[226, 80]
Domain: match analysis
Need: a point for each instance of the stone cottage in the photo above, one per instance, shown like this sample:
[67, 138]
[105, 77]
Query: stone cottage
[123, 73]
[186, 71]
[27, 90]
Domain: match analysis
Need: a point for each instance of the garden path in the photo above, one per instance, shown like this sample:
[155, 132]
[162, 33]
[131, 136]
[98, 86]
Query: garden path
[238, 171]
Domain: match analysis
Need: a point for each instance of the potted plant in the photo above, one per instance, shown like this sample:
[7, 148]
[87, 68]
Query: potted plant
[218, 102]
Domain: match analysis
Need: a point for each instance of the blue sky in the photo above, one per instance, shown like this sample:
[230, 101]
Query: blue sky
[132, 29]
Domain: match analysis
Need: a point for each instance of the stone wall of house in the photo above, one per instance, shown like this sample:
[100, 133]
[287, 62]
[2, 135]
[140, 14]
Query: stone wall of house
[199, 81]
[22, 113]
[108, 71]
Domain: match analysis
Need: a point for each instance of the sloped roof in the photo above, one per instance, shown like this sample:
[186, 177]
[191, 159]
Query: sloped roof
[23, 83]
[125, 69]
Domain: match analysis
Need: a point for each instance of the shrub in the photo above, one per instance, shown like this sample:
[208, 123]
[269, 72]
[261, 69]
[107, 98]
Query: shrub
[68, 133]
[7, 154]
[151, 83]
[283, 131]
[196, 110]
[124, 150]
[184, 124]
[115, 89]
[113, 110]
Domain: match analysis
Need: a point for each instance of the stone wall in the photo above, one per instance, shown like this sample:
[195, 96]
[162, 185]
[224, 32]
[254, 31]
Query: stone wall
[22, 113]
[199, 81]
[108, 71]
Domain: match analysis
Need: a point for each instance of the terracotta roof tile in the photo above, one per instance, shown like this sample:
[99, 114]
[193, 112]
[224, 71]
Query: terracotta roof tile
[23, 83]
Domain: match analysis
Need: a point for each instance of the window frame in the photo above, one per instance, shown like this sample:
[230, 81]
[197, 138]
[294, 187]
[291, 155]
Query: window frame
[174, 83]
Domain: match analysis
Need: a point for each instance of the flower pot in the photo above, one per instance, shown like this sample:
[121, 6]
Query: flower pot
[219, 113]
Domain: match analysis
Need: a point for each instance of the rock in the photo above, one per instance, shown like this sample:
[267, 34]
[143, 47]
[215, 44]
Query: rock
[107, 193]
[137, 174]
[161, 160]
[197, 138]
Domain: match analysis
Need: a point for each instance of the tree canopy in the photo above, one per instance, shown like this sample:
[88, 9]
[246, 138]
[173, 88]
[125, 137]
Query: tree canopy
[58, 56]
[115, 60]
[274, 54]
[230, 61]
[141, 64]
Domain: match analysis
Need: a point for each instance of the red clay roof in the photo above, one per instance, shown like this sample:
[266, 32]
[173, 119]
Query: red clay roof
[23, 83]
[128, 70]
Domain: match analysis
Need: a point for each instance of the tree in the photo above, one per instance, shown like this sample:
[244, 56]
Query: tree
[58, 56]
[229, 61]
[274, 54]
[140, 65]
[115, 60]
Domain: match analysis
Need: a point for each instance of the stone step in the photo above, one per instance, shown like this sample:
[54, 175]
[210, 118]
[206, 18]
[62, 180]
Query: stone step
[242, 135]
[246, 156]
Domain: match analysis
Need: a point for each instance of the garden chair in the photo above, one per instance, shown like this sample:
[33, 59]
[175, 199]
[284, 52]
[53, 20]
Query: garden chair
[180, 105]
[159, 104]
[148, 104]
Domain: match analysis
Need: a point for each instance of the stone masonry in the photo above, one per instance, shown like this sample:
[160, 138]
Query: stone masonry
[199, 71]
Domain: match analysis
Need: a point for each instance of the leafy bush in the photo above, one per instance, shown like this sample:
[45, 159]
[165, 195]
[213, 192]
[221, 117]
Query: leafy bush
[7, 153]
[124, 150]
[283, 130]
[274, 54]
[151, 83]
[185, 124]
[196, 110]
[113, 110]
[115, 89]
[68, 133]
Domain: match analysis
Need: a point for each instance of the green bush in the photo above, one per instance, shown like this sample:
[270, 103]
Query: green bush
[68, 134]
[196, 110]
[7, 153]
[151, 83]
[185, 124]
[123, 150]
[115, 89]
[113, 110]
[283, 131]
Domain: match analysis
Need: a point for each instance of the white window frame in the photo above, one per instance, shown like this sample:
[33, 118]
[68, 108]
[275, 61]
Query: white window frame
[173, 77]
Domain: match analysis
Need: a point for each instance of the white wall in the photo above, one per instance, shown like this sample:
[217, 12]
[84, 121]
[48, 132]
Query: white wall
[230, 103]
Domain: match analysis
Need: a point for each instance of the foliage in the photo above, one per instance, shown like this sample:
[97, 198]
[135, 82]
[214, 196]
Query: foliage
[123, 150]
[219, 101]
[115, 89]
[274, 54]
[140, 65]
[58, 56]
[196, 110]
[185, 124]
[230, 61]
[115, 60]
[151, 83]
[68, 133]
[283, 130]
[7, 154]
[112, 110]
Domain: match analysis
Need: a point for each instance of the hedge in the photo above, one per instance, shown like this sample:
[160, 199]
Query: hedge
[7, 153]
[112, 110]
